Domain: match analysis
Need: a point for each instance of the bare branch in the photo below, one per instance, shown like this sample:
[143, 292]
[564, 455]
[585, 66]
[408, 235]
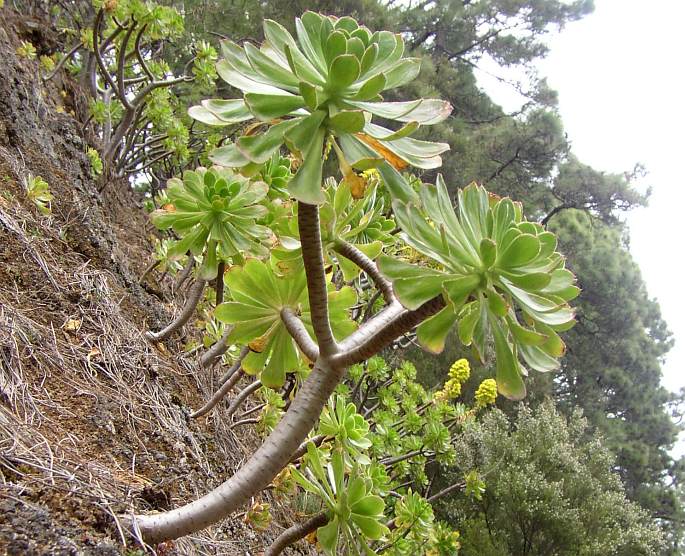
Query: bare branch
[234, 368]
[295, 533]
[367, 265]
[299, 333]
[219, 395]
[121, 65]
[242, 396]
[383, 329]
[63, 61]
[302, 450]
[194, 295]
[139, 54]
[217, 350]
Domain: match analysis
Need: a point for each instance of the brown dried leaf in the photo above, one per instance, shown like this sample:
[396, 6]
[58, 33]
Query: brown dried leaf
[397, 162]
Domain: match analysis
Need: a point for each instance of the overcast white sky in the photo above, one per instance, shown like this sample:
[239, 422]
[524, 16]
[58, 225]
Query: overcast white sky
[620, 74]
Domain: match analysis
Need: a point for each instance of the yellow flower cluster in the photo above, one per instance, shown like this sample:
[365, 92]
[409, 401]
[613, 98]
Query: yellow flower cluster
[486, 393]
[459, 372]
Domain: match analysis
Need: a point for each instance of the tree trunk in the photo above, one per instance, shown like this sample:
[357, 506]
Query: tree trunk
[256, 473]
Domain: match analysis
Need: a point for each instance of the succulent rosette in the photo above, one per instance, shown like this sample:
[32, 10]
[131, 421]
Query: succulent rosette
[214, 212]
[355, 514]
[360, 222]
[327, 82]
[500, 277]
[258, 297]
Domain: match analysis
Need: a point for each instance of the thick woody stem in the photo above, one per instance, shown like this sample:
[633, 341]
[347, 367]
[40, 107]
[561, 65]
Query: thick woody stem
[194, 295]
[383, 329]
[219, 287]
[257, 472]
[299, 333]
[121, 65]
[295, 533]
[367, 265]
[312, 255]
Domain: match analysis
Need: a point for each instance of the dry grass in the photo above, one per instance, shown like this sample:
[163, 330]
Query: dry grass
[91, 413]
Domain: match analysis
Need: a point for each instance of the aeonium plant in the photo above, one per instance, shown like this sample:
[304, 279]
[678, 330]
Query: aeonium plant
[498, 274]
[353, 512]
[484, 268]
[264, 306]
[326, 84]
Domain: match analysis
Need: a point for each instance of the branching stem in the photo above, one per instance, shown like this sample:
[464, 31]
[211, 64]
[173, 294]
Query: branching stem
[194, 295]
[350, 252]
[312, 255]
[219, 395]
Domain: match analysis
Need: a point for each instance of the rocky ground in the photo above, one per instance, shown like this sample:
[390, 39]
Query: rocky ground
[93, 419]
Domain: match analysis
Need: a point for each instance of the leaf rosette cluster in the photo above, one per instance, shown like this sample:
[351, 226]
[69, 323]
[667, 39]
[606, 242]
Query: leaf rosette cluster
[500, 277]
[328, 81]
[214, 210]
[259, 296]
[356, 514]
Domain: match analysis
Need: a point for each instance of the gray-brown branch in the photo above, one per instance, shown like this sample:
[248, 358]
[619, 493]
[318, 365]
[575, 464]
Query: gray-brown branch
[295, 533]
[312, 255]
[383, 329]
[299, 333]
[257, 472]
[242, 396]
[194, 295]
[219, 395]
[244, 351]
[219, 347]
[350, 252]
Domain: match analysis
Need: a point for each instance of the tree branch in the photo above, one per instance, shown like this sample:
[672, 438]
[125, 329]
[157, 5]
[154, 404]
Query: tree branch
[299, 333]
[242, 396]
[295, 533]
[194, 295]
[219, 395]
[256, 473]
[350, 252]
[219, 347]
[244, 352]
[383, 329]
[554, 211]
[302, 449]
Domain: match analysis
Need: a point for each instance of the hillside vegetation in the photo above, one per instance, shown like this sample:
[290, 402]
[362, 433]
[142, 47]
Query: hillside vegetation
[313, 291]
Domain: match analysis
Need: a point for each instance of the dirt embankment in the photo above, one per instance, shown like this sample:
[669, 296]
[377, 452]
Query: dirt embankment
[93, 419]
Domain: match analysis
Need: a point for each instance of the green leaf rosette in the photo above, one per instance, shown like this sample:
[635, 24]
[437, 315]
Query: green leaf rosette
[501, 277]
[360, 222]
[259, 296]
[328, 81]
[356, 514]
[214, 212]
